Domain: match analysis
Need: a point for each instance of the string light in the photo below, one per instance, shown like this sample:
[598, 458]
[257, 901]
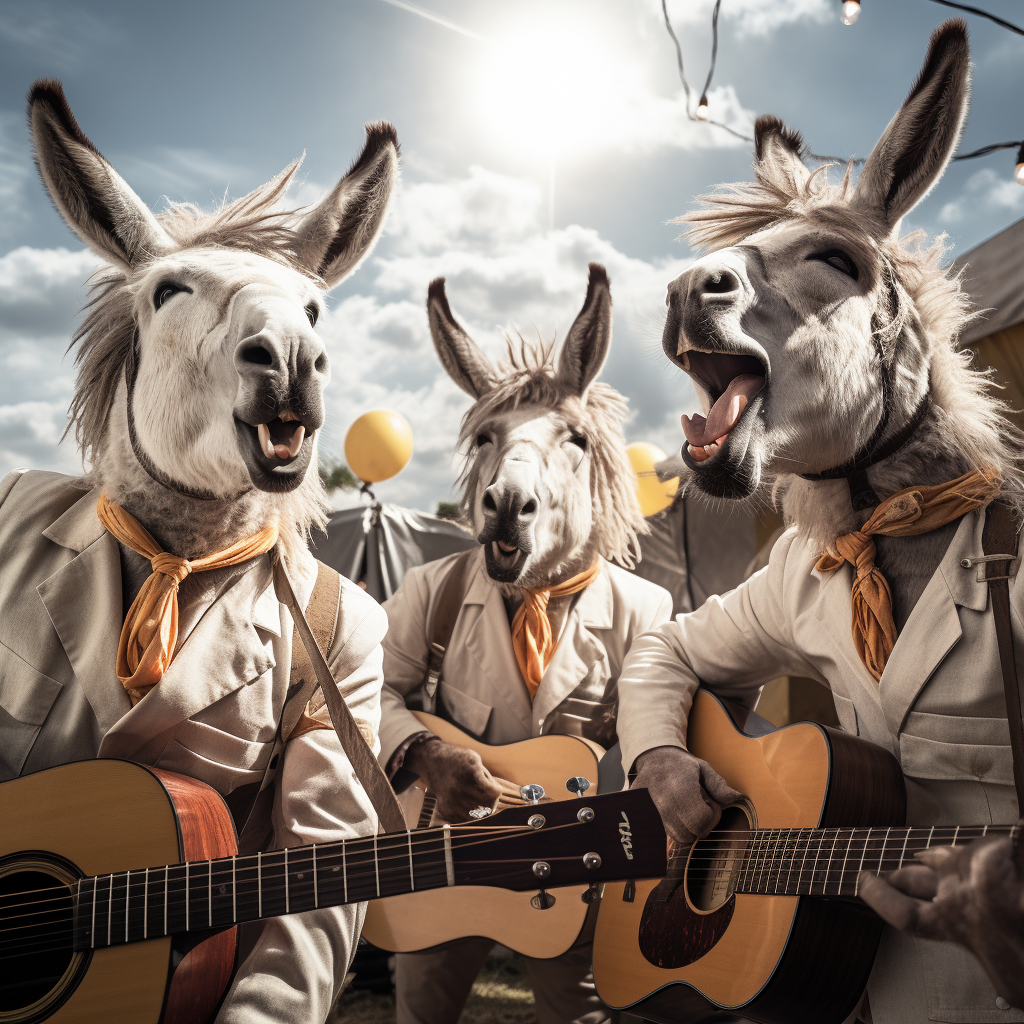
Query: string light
[850, 12]
[702, 108]
[1020, 165]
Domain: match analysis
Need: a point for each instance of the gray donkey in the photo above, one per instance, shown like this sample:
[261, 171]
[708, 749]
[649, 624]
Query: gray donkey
[141, 615]
[823, 347]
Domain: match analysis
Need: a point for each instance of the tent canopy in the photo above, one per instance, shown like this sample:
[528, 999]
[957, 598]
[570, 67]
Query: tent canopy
[994, 278]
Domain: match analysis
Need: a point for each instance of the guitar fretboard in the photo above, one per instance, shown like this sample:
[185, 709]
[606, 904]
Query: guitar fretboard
[820, 862]
[130, 906]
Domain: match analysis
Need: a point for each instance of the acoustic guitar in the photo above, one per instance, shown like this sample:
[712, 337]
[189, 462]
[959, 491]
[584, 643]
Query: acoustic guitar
[535, 928]
[760, 921]
[120, 885]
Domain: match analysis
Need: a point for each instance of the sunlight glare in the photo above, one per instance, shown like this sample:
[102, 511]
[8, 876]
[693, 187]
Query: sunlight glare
[547, 87]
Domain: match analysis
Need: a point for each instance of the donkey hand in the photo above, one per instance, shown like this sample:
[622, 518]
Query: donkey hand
[457, 777]
[687, 791]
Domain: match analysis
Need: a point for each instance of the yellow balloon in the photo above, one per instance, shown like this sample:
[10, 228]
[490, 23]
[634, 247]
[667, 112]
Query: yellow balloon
[378, 445]
[653, 494]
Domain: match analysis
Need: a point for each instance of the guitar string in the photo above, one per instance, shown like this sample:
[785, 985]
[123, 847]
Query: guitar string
[708, 849]
[399, 863]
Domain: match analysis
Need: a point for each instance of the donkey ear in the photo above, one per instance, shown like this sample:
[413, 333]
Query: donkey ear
[339, 232]
[913, 151]
[459, 353]
[777, 159]
[587, 343]
[90, 195]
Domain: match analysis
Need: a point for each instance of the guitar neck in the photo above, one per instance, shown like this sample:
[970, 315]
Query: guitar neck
[131, 906]
[824, 862]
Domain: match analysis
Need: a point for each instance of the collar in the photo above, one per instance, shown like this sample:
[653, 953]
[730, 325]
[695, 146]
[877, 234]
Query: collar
[79, 526]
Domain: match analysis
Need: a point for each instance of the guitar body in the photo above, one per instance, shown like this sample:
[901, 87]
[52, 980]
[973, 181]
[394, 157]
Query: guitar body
[663, 954]
[93, 818]
[420, 920]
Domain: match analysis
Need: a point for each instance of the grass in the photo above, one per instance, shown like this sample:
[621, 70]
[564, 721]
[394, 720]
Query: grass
[501, 995]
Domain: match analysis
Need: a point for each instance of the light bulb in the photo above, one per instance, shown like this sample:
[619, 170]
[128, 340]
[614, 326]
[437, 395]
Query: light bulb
[1020, 174]
[851, 12]
[702, 108]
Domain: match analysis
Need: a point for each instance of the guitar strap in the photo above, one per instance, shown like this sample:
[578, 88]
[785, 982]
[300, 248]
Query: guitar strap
[999, 542]
[363, 760]
[442, 624]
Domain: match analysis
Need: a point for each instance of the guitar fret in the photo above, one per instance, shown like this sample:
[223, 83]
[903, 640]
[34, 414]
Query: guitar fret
[903, 852]
[209, 882]
[842, 869]
[376, 865]
[287, 899]
[956, 835]
[166, 879]
[412, 873]
[92, 930]
[449, 867]
[828, 866]
[234, 891]
[259, 884]
[771, 866]
[110, 908]
[186, 895]
[316, 892]
[127, 901]
[344, 869]
[145, 907]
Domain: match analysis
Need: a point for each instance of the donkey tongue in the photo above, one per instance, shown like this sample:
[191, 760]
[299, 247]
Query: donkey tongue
[724, 413]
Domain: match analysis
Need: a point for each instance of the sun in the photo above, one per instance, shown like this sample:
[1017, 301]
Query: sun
[547, 87]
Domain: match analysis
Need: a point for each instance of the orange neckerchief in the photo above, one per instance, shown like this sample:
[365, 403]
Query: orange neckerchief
[906, 513]
[532, 640]
[150, 631]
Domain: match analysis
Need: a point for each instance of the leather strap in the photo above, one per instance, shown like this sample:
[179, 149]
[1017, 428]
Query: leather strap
[361, 757]
[442, 624]
[1000, 537]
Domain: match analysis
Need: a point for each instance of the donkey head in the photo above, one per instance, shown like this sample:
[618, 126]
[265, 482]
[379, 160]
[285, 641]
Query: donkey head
[199, 361]
[547, 483]
[802, 331]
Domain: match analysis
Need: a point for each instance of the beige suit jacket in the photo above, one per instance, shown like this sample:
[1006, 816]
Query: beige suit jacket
[213, 716]
[939, 708]
[482, 690]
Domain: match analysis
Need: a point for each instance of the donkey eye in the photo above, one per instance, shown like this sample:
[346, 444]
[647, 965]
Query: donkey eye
[312, 314]
[166, 290]
[482, 439]
[838, 259]
[579, 440]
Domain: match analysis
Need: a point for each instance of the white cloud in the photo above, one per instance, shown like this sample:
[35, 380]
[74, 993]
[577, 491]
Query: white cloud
[483, 232]
[752, 17]
[987, 192]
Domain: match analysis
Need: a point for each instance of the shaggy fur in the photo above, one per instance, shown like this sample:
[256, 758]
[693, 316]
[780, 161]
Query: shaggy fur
[530, 378]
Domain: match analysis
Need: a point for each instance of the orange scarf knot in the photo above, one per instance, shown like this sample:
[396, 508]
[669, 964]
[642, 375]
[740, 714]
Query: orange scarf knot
[532, 640]
[150, 632]
[907, 513]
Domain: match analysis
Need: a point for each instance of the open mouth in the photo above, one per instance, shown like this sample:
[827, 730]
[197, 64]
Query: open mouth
[506, 557]
[731, 382]
[282, 437]
[277, 451]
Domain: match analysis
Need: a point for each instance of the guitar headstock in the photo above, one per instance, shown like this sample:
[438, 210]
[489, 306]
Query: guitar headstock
[567, 842]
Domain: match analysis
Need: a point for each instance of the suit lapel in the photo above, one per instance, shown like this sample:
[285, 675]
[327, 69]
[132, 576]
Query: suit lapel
[578, 648]
[84, 602]
[933, 628]
[489, 643]
[225, 650]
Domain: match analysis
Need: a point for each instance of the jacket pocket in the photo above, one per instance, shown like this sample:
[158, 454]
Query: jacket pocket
[472, 714]
[846, 711]
[950, 747]
[26, 696]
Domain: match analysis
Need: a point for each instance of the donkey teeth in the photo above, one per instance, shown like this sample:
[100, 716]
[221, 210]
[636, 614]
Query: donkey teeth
[295, 444]
[265, 443]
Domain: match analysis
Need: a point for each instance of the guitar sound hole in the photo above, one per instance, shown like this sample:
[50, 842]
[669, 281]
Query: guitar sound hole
[36, 922]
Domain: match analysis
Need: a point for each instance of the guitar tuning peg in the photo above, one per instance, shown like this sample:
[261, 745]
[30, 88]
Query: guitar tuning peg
[578, 785]
[591, 894]
[542, 901]
[532, 793]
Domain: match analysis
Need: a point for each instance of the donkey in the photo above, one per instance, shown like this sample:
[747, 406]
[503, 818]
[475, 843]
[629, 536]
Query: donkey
[536, 620]
[197, 407]
[823, 347]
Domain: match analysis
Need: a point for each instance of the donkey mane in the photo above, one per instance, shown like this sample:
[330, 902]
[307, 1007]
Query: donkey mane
[924, 297]
[104, 339]
[529, 377]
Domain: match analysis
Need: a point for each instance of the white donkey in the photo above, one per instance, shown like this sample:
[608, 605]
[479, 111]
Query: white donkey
[823, 346]
[199, 400]
[536, 620]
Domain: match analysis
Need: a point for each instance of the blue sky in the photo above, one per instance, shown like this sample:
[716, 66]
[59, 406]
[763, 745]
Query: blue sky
[194, 101]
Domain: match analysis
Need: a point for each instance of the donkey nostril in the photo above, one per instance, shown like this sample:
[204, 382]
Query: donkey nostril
[321, 363]
[257, 354]
[529, 508]
[489, 503]
[723, 281]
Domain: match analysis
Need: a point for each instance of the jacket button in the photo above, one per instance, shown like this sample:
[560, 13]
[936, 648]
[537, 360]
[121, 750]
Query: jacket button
[1002, 1003]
